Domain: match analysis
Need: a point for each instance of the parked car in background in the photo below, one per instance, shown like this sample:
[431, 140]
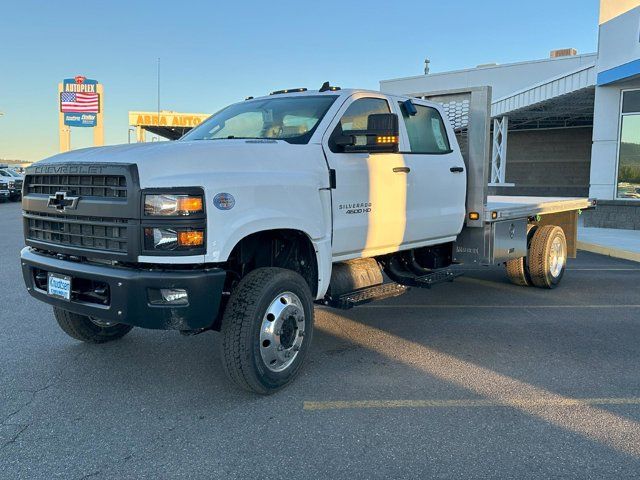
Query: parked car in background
[4, 190]
[15, 181]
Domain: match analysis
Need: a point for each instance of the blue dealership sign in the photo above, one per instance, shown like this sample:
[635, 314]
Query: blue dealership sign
[80, 119]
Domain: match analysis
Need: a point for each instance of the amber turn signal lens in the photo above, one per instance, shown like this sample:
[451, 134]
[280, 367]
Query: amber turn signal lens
[387, 139]
[191, 238]
[474, 216]
[190, 204]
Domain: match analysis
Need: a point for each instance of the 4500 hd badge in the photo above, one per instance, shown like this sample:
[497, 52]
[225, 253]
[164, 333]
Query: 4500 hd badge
[355, 208]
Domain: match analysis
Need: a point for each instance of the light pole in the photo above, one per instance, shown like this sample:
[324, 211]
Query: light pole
[129, 134]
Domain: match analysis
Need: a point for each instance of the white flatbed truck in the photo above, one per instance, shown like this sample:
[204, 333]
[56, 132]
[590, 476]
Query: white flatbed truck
[337, 197]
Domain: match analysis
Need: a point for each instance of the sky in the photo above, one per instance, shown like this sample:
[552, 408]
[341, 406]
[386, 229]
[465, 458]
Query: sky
[216, 53]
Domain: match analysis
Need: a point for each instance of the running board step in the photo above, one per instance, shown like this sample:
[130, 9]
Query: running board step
[366, 295]
[440, 276]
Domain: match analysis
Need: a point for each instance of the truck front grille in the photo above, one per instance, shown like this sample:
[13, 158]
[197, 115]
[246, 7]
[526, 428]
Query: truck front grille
[91, 233]
[109, 186]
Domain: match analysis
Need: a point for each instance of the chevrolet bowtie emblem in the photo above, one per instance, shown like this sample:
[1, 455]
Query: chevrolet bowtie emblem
[61, 202]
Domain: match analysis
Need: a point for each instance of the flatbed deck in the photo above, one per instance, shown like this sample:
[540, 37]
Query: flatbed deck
[512, 207]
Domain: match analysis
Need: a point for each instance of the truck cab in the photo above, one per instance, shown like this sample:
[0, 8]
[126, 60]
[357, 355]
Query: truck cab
[271, 204]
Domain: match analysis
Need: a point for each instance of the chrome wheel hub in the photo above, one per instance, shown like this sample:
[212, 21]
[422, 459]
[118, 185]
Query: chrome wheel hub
[557, 257]
[282, 331]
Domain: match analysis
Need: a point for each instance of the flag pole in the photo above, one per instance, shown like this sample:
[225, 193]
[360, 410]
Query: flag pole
[158, 91]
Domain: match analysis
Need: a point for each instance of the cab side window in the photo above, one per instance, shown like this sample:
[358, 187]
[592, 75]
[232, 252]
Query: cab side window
[426, 130]
[357, 115]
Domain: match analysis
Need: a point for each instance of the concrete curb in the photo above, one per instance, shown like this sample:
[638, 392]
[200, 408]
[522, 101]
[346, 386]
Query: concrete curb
[610, 251]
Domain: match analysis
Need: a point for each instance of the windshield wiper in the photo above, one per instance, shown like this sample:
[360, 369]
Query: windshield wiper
[233, 137]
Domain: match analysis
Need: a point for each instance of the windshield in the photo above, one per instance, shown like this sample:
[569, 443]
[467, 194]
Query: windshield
[293, 119]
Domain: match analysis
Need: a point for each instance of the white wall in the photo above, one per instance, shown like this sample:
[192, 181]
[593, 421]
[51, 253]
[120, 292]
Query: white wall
[604, 153]
[619, 41]
[619, 44]
[505, 79]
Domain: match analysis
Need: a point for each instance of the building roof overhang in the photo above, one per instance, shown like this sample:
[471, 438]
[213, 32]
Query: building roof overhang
[563, 101]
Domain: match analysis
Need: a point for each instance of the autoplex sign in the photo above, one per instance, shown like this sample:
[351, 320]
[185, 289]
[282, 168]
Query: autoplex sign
[80, 101]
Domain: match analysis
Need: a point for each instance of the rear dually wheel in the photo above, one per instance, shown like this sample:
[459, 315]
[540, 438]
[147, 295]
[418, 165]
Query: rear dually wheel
[547, 256]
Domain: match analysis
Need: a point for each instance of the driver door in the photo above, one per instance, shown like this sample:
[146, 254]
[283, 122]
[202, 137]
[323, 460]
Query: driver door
[369, 199]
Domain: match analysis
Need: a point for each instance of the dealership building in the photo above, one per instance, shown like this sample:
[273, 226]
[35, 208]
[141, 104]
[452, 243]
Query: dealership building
[568, 125]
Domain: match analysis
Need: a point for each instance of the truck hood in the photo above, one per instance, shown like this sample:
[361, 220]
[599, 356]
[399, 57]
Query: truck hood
[176, 163]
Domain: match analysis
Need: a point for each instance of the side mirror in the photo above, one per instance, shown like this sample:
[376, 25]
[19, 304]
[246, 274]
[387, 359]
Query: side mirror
[381, 135]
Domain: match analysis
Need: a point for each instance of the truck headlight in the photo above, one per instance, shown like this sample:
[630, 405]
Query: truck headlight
[169, 239]
[170, 205]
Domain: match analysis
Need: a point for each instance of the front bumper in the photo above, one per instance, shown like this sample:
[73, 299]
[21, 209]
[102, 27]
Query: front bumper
[127, 297]
[5, 193]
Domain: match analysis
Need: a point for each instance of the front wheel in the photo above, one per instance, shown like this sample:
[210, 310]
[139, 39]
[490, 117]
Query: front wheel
[266, 329]
[89, 329]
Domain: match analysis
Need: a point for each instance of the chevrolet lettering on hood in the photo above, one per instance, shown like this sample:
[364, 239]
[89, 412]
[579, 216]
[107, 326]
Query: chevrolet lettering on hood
[69, 169]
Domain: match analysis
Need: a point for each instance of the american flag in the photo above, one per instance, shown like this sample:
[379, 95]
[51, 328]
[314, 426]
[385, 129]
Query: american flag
[79, 102]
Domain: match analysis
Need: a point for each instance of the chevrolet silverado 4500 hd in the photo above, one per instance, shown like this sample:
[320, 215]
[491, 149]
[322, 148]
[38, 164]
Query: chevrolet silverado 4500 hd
[273, 204]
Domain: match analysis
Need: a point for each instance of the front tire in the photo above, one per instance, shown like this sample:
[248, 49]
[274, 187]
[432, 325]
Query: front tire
[87, 329]
[267, 329]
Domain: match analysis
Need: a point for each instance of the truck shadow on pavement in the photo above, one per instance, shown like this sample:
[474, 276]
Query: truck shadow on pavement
[477, 340]
[568, 357]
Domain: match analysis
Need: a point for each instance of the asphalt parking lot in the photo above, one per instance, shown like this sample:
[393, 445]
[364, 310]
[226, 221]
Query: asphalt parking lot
[476, 379]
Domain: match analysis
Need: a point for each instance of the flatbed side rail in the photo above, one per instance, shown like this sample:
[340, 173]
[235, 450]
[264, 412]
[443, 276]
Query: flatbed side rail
[509, 208]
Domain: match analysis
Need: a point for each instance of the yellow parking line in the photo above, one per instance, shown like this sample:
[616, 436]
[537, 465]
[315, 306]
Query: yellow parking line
[469, 403]
[589, 420]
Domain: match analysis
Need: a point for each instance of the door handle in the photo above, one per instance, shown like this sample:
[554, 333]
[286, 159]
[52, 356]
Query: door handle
[401, 169]
[456, 169]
